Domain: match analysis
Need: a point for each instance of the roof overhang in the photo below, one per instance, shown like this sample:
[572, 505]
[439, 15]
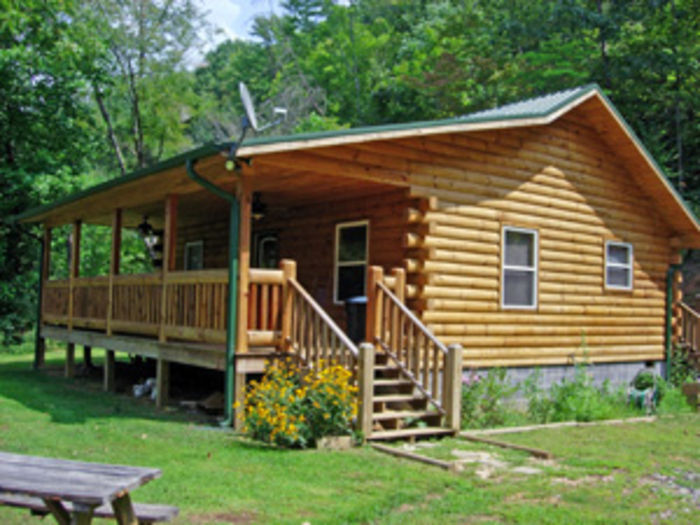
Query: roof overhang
[587, 100]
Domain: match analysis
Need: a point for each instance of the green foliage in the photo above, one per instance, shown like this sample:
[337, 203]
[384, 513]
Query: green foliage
[484, 398]
[294, 409]
[674, 402]
[574, 399]
[682, 368]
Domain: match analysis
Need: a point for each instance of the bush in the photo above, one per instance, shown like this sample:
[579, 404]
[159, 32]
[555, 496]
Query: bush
[575, 399]
[483, 398]
[291, 409]
[682, 369]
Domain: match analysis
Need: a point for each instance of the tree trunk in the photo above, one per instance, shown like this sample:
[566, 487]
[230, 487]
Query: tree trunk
[110, 130]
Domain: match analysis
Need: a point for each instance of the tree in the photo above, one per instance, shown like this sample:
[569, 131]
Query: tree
[43, 123]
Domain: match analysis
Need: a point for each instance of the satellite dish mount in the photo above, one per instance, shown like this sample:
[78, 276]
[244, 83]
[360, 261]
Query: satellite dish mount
[250, 121]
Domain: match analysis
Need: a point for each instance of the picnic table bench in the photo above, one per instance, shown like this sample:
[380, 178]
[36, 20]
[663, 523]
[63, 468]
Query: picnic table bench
[76, 491]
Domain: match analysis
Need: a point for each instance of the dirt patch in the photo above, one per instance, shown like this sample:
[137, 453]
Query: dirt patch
[585, 480]
[239, 518]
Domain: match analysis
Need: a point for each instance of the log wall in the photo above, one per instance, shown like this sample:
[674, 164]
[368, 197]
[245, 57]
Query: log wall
[307, 235]
[563, 181]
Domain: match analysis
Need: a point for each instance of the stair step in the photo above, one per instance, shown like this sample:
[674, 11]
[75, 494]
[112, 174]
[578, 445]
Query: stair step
[410, 432]
[395, 398]
[402, 414]
[392, 382]
[385, 368]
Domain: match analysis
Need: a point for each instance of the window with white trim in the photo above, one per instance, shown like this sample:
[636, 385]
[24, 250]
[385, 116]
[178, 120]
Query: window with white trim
[619, 258]
[350, 268]
[194, 255]
[519, 268]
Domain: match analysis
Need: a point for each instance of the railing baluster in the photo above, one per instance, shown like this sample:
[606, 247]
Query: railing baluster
[436, 372]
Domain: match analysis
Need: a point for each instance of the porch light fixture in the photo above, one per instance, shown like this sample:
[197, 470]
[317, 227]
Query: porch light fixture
[258, 207]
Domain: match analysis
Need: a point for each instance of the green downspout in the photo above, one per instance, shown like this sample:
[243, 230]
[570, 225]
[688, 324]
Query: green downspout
[38, 358]
[232, 306]
[669, 315]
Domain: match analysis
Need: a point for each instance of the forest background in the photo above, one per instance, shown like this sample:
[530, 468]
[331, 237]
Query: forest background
[91, 90]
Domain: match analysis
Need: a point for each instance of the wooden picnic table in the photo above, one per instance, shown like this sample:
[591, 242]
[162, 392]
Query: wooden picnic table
[71, 490]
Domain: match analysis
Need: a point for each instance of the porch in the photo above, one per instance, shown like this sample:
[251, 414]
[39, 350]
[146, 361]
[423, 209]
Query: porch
[292, 276]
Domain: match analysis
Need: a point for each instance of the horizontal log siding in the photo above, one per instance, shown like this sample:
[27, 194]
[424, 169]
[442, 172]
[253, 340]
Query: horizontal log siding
[307, 235]
[563, 181]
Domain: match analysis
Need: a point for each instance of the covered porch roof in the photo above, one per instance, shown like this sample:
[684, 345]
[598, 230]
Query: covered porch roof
[317, 165]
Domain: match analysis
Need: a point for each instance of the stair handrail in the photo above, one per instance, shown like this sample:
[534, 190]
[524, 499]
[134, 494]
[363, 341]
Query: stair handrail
[690, 326]
[412, 317]
[432, 397]
[323, 317]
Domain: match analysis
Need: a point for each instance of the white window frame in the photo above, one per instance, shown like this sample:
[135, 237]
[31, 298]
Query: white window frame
[336, 262]
[629, 266]
[534, 269]
[188, 247]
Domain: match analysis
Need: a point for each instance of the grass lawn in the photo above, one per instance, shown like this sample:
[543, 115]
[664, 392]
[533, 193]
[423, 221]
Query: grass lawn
[642, 473]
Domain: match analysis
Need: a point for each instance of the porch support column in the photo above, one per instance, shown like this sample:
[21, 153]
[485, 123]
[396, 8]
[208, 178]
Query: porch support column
[73, 273]
[245, 199]
[44, 264]
[87, 357]
[108, 379]
[114, 261]
[169, 243]
[162, 382]
[289, 271]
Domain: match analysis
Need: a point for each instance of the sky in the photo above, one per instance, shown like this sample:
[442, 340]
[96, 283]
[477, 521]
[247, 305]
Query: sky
[234, 18]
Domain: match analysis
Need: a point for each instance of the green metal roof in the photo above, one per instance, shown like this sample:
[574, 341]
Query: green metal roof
[537, 107]
[530, 108]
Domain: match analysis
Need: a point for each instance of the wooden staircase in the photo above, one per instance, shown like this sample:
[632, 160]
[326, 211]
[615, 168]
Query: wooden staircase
[399, 410]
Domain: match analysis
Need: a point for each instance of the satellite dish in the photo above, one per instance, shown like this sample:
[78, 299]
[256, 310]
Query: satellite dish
[248, 106]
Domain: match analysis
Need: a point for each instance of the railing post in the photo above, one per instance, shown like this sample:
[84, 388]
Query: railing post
[375, 275]
[169, 234]
[289, 271]
[365, 374]
[400, 284]
[452, 387]
[113, 265]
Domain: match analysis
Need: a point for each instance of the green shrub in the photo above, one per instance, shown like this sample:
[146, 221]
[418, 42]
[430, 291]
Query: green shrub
[682, 369]
[674, 402]
[574, 399]
[483, 398]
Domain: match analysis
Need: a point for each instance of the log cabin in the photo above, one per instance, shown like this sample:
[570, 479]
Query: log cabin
[529, 235]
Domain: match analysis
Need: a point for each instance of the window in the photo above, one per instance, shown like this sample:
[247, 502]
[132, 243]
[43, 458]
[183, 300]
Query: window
[351, 240]
[519, 268]
[194, 255]
[266, 250]
[618, 265]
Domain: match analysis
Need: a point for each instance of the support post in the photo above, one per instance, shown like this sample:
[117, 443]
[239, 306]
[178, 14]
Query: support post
[73, 270]
[375, 274]
[87, 357]
[365, 368]
[289, 271]
[44, 264]
[169, 234]
[245, 198]
[239, 395]
[108, 379]
[162, 382]
[70, 360]
[400, 286]
[453, 387]
[114, 260]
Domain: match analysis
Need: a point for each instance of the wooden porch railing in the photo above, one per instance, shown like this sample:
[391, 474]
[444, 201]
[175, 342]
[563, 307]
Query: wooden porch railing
[313, 335]
[690, 327]
[434, 369]
[265, 292]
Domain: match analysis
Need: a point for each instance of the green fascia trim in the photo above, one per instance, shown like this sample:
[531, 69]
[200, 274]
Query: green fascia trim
[172, 162]
[466, 119]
